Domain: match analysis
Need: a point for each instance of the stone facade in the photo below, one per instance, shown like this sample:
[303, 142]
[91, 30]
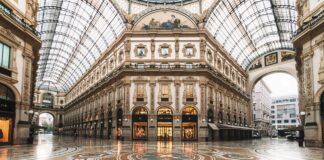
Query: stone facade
[261, 97]
[149, 69]
[17, 32]
[309, 45]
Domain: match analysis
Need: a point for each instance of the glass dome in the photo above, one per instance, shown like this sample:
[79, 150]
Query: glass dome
[165, 1]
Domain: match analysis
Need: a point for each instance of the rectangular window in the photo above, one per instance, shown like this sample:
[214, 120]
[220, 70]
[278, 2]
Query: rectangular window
[279, 121]
[293, 121]
[189, 92]
[273, 122]
[165, 90]
[140, 91]
[286, 121]
[4, 56]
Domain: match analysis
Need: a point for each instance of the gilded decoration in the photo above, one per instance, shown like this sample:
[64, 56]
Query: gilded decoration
[140, 50]
[189, 50]
[271, 59]
[165, 50]
[172, 23]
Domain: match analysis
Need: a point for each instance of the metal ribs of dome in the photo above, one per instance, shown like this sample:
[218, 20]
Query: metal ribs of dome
[165, 1]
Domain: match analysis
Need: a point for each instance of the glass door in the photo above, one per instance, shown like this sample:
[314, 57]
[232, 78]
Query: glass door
[164, 133]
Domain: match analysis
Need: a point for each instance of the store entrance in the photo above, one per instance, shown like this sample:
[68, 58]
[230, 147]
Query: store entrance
[7, 114]
[189, 124]
[139, 119]
[164, 124]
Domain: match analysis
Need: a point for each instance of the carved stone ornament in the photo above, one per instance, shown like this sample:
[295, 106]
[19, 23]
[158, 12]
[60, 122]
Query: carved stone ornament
[189, 50]
[209, 55]
[165, 50]
[140, 50]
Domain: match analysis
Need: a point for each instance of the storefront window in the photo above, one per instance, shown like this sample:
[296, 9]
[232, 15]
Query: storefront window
[5, 129]
[4, 56]
[189, 123]
[140, 124]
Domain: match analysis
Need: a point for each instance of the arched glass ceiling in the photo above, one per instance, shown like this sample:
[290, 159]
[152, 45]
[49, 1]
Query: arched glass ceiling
[250, 28]
[74, 33]
[164, 1]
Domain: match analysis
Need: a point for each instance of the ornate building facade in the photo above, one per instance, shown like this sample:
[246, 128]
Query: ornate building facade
[309, 45]
[163, 79]
[19, 45]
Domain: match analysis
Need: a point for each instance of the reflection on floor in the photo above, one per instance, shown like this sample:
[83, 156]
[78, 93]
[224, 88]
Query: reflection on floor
[57, 148]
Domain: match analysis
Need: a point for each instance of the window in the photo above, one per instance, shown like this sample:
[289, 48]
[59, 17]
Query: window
[272, 107]
[48, 100]
[292, 115]
[189, 92]
[4, 56]
[164, 92]
[272, 111]
[165, 51]
[286, 121]
[279, 121]
[5, 8]
[293, 121]
[141, 51]
[165, 65]
[189, 51]
[140, 92]
[273, 121]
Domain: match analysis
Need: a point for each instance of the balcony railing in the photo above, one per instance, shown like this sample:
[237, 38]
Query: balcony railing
[315, 19]
[21, 21]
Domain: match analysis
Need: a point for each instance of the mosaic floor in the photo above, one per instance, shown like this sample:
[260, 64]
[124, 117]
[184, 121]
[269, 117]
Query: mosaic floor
[48, 147]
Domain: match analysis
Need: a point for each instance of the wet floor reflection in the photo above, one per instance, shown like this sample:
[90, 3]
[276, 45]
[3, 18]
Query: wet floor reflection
[56, 148]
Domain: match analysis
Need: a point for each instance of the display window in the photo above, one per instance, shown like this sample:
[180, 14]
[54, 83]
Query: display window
[189, 131]
[140, 130]
[5, 130]
[189, 124]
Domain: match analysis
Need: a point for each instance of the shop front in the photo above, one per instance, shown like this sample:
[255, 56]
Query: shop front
[164, 124]
[140, 124]
[119, 124]
[189, 124]
[7, 115]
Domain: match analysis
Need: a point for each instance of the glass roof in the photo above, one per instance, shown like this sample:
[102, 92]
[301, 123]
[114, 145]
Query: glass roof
[163, 1]
[250, 28]
[74, 33]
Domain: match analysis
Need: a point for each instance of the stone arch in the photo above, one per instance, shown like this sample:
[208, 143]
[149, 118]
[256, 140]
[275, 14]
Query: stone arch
[13, 89]
[193, 106]
[144, 106]
[318, 94]
[268, 71]
[170, 107]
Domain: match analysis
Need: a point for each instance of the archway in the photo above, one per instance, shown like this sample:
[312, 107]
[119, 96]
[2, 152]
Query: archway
[274, 104]
[189, 124]
[46, 123]
[110, 119]
[139, 119]
[322, 116]
[7, 114]
[164, 124]
[119, 123]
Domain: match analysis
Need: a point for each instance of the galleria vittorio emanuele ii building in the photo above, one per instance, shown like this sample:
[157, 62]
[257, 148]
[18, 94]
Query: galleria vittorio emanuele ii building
[137, 72]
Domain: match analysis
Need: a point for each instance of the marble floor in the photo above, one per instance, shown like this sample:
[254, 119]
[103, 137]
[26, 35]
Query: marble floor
[49, 147]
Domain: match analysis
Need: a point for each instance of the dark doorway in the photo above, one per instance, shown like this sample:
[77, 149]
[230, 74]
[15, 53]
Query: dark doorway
[119, 124]
[110, 119]
[210, 119]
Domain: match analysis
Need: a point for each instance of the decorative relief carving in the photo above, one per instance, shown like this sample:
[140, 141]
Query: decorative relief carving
[140, 50]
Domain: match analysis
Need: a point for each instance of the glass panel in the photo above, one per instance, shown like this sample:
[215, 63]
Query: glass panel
[1, 53]
[6, 56]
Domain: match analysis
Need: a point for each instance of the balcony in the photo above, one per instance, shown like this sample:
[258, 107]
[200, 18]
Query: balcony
[8, 13]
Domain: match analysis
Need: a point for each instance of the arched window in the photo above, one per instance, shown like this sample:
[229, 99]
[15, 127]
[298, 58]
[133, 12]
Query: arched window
[48, 100]
[7, 99]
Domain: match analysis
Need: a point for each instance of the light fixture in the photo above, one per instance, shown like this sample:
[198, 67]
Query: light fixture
[126, 119]
[203, 120]
[151, 120]
[30, 112]
[302, 113]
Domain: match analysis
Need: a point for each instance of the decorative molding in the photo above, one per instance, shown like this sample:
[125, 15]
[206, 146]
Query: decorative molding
[189, 50]
[165, 48]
